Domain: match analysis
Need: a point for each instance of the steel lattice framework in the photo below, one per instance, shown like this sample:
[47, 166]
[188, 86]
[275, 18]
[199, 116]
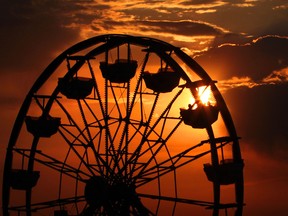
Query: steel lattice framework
[113, 138]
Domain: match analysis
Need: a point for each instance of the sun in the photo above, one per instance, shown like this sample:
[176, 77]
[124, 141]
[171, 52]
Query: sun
[205, 94]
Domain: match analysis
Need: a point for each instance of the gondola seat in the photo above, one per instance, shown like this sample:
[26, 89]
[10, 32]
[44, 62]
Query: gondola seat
[42, 126]
[23, 179]
[76, 87]
[119, 72]
[163, 81]
[201, 117]
[227, 172]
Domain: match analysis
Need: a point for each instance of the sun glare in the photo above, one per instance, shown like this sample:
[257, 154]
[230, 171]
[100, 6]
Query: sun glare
[205, 94]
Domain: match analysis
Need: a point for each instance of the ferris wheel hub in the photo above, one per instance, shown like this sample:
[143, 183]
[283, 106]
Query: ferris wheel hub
[96, 191]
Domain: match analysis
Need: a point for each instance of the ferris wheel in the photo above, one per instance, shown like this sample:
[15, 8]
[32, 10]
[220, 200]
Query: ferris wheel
[123, 125]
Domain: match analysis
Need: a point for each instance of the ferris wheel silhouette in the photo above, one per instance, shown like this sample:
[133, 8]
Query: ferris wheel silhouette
[117, 125]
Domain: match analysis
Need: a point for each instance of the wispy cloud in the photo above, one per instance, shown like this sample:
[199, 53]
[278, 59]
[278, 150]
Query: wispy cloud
[244, 5]
[281, 7]
[275, 78]
[205, 11]
[235, 82]
[203, 4]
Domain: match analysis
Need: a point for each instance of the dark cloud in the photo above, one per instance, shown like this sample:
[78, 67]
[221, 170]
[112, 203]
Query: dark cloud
[256, 60]
[277, 27]
[231, 38]
[197, 2]
[142, 13]
[32, 34]
[250, 17]
[261, 117]
[253, 78]
[187, 28]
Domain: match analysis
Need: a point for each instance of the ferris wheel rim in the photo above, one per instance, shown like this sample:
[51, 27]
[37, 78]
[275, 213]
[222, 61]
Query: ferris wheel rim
[95, 40]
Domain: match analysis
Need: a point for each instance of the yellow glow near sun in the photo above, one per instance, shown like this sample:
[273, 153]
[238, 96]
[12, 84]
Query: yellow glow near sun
[205, 94]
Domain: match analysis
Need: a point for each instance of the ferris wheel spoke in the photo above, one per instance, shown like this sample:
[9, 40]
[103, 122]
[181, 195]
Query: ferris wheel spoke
[177, 200]
[139, 209]
[51, 204]
[151, 130]
[115, 127]
[97, 92]
[76, 141]
[72, 123]
[134, 157]
[165, 112]
[183, 158]
[90, 144]
[123, 150]
[109, 124]
[154, 147]
[128, 204]
[124, 138]
[118, 99]
[55, 164]
[122, 118]
[138, 87]
[150, 173]
[161, 139]
[90, 109]
[83, 158]
[137, 131]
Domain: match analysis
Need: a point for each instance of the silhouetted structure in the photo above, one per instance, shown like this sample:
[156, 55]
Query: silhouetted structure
[119, 72]
[109, 151]
[23, 179]
[200, 117]
[43, 126]
[76, 87]
[165, 80]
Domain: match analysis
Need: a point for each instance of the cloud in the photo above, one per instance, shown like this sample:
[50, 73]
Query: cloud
[253, 79]
[185, 27]
[256, 59]
[201, 4]
[277, 77]
[33, 32]
[281, 7]
[236, 82]
[260, 115]
[244, 4]
[206, 11]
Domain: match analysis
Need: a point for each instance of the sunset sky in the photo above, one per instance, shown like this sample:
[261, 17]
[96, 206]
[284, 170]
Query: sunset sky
[241, 44]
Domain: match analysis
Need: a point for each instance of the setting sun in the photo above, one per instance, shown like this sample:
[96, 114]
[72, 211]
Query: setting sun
[205, 95]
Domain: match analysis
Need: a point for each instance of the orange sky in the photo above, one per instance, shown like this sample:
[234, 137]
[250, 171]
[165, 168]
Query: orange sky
[242, 45]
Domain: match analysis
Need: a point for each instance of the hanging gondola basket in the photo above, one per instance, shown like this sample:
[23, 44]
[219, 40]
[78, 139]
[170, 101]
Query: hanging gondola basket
[119, 72]
[200, 117]
[76, 87]
[163, 81]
